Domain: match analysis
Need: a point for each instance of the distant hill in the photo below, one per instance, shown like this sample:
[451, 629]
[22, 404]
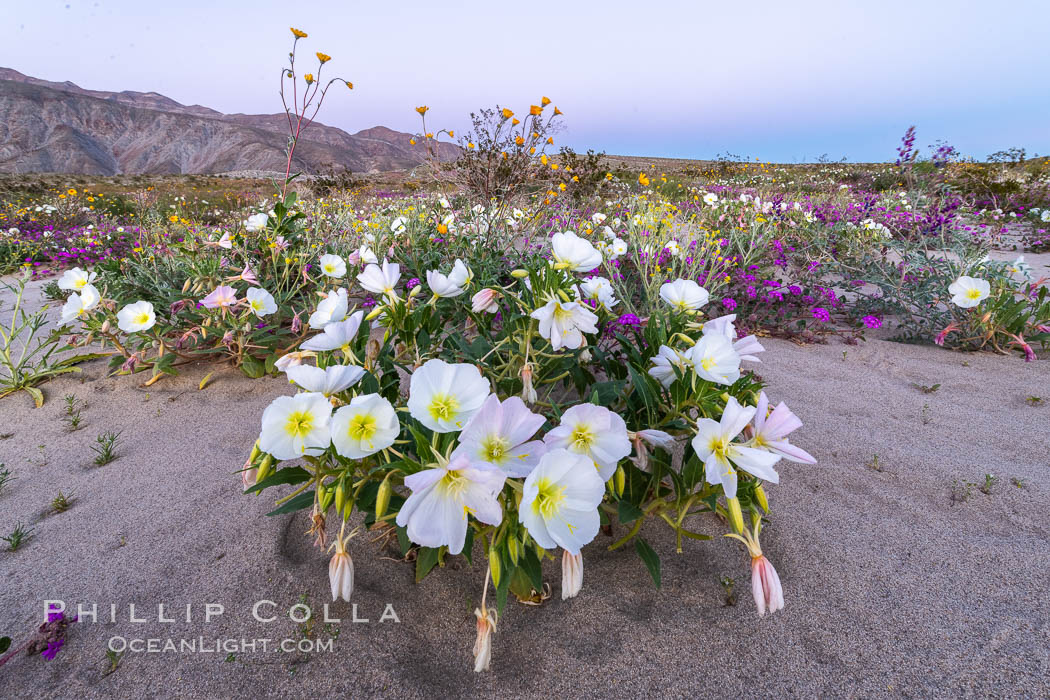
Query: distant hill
[63, 128]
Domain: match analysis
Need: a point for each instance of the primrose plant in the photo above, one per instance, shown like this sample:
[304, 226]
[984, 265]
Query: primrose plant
[519, 420]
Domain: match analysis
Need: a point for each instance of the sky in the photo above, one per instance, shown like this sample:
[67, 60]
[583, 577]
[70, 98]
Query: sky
[771, 79]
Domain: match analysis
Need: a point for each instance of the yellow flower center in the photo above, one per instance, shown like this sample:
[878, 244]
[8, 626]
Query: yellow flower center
[443, 407]
[582, 437]
[141, 319]
[299, 423]
[494, 448]
[707, 363]
[973, 293]
[362, 427]
[548, 500]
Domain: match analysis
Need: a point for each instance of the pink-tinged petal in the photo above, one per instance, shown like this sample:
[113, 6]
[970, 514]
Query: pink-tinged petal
[790, 452]
[781, 422]
[757, 589]
[735, 418]
[761, 410]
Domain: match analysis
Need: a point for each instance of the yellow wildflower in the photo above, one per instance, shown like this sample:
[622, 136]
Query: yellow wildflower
[298, 34]
[323, 57]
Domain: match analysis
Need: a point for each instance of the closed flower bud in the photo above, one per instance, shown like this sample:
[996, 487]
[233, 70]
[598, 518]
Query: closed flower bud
[760, 497]
[494, 567]
[513, 548]
[265, 467]
[340, 497]
[519, 274]
[105, 326]
[620, 480]
[186, 285]
[383, 497]
[374, 313]
[736, 515]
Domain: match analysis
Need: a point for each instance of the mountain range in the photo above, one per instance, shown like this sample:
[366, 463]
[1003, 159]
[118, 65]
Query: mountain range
[56, 127]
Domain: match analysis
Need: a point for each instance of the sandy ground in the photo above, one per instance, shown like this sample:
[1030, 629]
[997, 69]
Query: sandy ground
[893, 587]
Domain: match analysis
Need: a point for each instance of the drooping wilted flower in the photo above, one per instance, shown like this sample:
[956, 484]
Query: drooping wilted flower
[765, 586]
[451, 285]
[485, 301]
[571, 574]
[487, 618]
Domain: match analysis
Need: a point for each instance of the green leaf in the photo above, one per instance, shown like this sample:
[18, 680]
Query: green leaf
[628, 512]
[426, 558]
[38, 396]
[5, 644]
[252, 367]
[403, 541]
[503, 589]
[303, 500]
[649, 558]
[84, 357]
[530, 564]
[288, 475]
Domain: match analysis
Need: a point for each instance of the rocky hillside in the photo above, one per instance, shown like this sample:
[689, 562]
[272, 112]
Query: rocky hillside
[61, 127]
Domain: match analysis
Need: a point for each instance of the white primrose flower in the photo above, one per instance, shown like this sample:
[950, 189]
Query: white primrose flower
[332, 309]
[618, 247]
[747, 347]
[381, 280]
[710, 199]
[333, 266]
[597, 218]
[559, 502]
[1020, 268]
[436, 512]
[563, 323]
[600, 290]
[260, 301]
[575, 253]
[81, 303]
[715, 447]
[294, 426]
[968, 292]
[486, 300]
[75, 279]
[365, 426]
[664, 363]
[444, 397]
[327, 381]
[367, 256]
[292, 359]
[451, 285]
[256, 222]
[136, 317]
[338, 335]
[498, 436]
[771, 429]
[684, 295]
[594, 431]
[715, 360]
[398, 225]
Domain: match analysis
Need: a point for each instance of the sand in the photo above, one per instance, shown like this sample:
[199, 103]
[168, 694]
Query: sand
[892, 587]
